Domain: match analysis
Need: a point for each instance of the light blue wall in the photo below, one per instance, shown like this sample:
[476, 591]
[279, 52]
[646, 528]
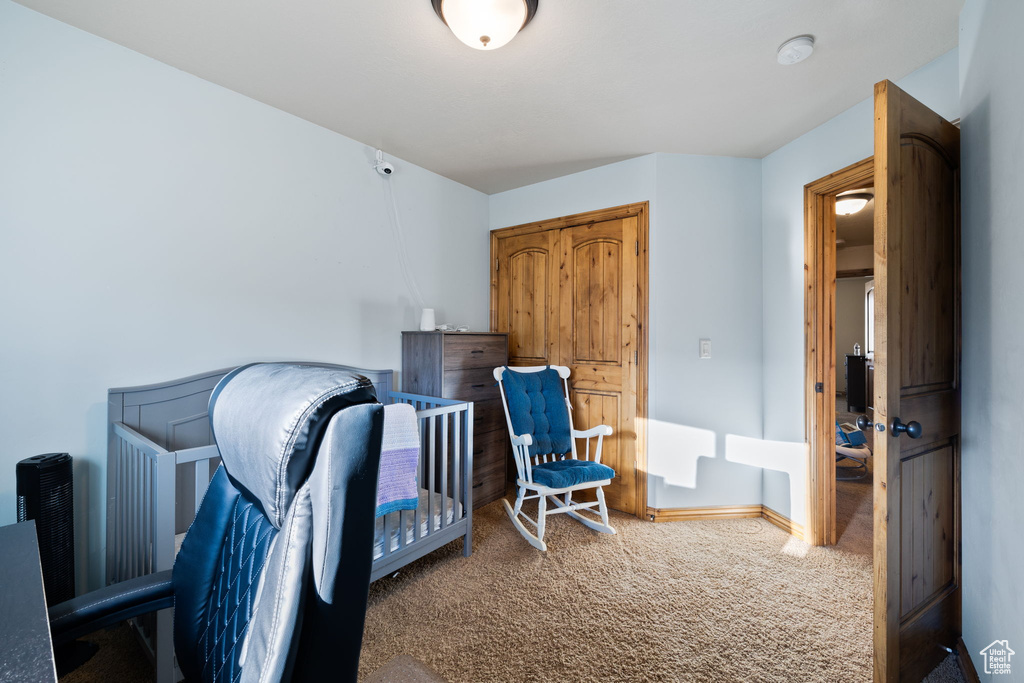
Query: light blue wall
[625, 182]
[705, 424]
[992, 180]
[841, 141]
[705, 278]
[216, 230]
[155, 225]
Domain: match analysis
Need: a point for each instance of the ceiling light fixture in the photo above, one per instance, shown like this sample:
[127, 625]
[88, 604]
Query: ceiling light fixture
[485, 24]
[851, 203]
[795, 50]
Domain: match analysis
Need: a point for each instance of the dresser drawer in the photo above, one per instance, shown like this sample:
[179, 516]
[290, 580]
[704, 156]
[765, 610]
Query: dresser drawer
[488, 467]
[477, 384]
[489, 416]
[489, 491]
[473, 351]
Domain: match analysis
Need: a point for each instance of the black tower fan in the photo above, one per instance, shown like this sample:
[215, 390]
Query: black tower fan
[45, 495]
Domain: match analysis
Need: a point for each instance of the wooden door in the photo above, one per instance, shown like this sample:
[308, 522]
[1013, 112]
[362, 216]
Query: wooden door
[571, 291]
[599, 342]
[917, 379]
[527, 301]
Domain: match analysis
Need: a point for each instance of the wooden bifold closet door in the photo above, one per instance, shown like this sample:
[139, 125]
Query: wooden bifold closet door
[571, 292]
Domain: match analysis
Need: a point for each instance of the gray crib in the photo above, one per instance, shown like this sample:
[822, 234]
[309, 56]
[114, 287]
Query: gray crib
[161, 457]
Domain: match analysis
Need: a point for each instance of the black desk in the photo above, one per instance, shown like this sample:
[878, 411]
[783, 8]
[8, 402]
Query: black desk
[25, 650]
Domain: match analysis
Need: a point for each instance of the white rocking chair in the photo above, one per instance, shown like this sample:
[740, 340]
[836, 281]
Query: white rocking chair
[539, 419]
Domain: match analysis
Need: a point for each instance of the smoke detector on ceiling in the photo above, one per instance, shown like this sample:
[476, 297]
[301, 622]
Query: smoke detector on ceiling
[795, 50]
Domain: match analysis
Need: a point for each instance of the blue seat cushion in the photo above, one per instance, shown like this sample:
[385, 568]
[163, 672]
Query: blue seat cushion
[536, 406]
[562, 474]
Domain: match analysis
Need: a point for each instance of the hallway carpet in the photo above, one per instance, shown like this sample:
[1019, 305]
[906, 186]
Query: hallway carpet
[722, 600]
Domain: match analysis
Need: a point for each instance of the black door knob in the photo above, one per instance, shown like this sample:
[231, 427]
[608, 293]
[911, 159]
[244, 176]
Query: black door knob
[863, 423]
[911, 429]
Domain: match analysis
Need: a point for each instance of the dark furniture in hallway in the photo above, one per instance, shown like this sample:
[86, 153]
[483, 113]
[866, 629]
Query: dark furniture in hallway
[856, 383]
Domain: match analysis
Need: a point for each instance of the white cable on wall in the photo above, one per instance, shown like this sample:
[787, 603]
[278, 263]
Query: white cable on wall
[396, 231]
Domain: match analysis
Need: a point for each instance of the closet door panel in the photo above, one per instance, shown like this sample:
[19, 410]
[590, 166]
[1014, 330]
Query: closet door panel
[527, 297]
[599, 341]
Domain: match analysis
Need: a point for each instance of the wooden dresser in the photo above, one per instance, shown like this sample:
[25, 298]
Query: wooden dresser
[459, 365]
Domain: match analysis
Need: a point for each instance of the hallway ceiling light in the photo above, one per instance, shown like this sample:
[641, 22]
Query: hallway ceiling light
[795, 50]
[847, 204]
[485, 24]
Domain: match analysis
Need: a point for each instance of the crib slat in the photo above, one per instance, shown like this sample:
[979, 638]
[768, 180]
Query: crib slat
[401, 528]
[113, 571]
[202, 482]
[119, 547]
[467, 458]
[140, 567]
[444, 471]
[432, 429]
[139, 506]
[386, 541]
[147, 520]
[419, 483]
[163, 509]
[140, 487]
[132, 505]
[136, 514]
[126, 560]
[457, 471]
[151, 498]
[130, 454]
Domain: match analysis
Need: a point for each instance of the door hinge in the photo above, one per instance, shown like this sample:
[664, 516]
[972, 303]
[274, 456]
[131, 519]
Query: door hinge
[637, 248]
[819, 388]
[636, 358]
[496, 265]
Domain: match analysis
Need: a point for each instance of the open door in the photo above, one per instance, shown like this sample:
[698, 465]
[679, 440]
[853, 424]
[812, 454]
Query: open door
[917, 387]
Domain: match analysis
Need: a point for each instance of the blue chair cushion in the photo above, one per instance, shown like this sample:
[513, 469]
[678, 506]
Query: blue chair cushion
[561, 474]
[536, 406]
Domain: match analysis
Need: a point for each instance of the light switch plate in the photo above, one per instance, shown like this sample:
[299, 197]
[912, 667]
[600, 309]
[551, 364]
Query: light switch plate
[705, 348]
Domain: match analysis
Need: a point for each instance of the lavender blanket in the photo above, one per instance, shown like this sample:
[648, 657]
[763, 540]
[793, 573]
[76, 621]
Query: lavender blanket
[399, 457]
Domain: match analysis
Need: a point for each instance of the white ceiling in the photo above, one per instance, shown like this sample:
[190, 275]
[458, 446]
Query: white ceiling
[586, 83]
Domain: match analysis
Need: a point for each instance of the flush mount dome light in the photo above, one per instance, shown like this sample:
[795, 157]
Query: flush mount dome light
[485, 24]
[795, 50]
[847, 204]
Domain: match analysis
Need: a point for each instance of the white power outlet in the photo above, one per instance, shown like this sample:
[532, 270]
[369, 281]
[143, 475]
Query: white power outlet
[705, 348]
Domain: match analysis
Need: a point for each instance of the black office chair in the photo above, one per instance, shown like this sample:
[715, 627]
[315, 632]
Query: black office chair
[272, 578]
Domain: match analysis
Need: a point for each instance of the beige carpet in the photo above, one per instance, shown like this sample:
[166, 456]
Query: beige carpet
[728, 600]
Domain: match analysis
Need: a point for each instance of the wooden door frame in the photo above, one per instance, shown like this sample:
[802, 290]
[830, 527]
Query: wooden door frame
[642, 212]
[820, 343]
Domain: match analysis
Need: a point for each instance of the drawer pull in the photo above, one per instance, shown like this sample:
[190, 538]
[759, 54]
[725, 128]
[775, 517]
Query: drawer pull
[476, 486]
[479, 386]
[477, 351]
